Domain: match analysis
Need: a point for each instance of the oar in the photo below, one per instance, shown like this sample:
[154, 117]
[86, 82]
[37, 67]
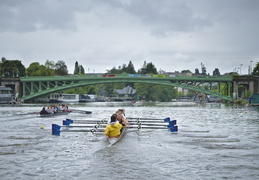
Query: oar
[88, 121]
[84, 126]
[172, 128]
[56, 130]
[84, 130]
[83, 111]
[165, 119]
[70, 121]
[148, 124]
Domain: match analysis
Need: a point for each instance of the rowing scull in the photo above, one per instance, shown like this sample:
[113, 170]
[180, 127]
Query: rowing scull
[114, 140]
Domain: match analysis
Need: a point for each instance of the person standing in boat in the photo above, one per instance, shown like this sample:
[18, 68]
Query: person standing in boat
[113, 129]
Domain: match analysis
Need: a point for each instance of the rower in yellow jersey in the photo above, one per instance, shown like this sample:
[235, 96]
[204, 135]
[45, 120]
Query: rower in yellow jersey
[113, 130]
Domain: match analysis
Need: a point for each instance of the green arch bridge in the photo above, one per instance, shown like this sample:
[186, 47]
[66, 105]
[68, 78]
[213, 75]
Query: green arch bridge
[33, 87]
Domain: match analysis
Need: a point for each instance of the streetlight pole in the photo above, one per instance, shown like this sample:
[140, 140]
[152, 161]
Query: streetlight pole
[250, 68]
[240, 68]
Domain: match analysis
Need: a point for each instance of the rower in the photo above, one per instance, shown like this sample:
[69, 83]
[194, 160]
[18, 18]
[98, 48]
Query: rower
[121, 118]
[112, 129]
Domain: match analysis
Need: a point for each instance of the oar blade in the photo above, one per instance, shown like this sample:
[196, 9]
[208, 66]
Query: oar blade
[172, 122]
[167, 119]
[55, 129]
[174, 128]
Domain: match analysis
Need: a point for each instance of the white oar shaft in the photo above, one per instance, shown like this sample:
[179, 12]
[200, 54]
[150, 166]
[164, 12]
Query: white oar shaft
[146, 121]
[149, 124]
[148, 127]
[85, 125]
[145, 118]
[83, 130]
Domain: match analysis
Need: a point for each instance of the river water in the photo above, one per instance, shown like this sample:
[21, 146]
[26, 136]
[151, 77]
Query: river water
[214, 141]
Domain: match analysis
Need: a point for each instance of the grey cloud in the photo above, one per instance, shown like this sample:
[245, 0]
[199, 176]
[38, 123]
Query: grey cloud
[160, 16]
[163, 16]
[31, 15]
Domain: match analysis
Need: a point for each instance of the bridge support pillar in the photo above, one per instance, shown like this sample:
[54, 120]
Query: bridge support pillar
[14, 83]
[250, 83]
[235, 89]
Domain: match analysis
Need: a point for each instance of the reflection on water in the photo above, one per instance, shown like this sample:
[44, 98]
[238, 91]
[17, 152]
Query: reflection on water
[215, 141]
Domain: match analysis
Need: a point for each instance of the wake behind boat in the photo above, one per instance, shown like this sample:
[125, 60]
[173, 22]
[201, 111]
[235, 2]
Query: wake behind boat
[114, 140]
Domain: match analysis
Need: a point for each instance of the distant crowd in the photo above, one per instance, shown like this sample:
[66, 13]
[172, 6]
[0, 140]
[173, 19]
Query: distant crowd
[53, 109]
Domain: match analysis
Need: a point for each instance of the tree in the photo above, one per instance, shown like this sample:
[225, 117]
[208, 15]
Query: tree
[216, 72]
[124, 68]
[81, 70]
[12, 68]
[143, 69]
[3, 59]
[113, 71]
[151, 68]
[49, 64]
[203, 70]
[197, 71]
[61, 68]
[148, 69]
[76, 71]
[33, 68]
[256, 70]
[152, 92]
[130, 68]
[186, 71]
[50, 68]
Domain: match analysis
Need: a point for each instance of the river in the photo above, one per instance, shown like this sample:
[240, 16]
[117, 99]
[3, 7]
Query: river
[214, 141]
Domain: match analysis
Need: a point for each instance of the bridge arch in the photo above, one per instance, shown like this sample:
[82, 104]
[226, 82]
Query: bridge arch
[34, 87]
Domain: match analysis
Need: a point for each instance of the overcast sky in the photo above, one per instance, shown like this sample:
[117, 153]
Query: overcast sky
[174, 35]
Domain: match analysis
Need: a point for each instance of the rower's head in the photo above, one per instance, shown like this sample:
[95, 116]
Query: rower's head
[119, 115]
[113, 118]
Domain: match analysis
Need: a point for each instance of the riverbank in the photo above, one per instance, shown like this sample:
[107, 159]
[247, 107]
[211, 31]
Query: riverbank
[241, 102]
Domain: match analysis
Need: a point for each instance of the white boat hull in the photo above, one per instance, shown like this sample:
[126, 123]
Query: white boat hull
[113, 141]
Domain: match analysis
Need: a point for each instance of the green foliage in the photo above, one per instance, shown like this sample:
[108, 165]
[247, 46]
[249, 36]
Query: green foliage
[204, 71]
[124, 69]
[35, 69]
[186, 71]
[197, 71]
[50, 64]
[148, 69]
[216, 72]
[81, 90]
[256, 70]
[3, 59]
[61, 68]
[12, 68]
[76, 71]
[152, 92]
[248, 94]
[79, 69]
[130, 68]
[48, 69]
